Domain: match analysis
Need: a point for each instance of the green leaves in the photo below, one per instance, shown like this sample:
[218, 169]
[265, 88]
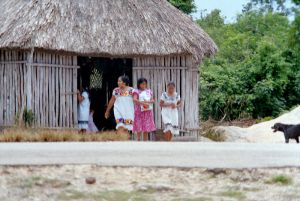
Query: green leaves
[256, 72]
[187, 6]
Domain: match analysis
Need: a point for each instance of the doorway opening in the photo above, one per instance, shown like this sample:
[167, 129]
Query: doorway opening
[100, 75]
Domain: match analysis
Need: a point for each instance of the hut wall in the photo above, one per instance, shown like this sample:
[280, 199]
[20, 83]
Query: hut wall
[184, 72]
[53, 86]
[12, 85]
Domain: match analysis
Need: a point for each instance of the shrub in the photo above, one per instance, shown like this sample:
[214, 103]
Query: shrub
[28, 117]
[281, 179]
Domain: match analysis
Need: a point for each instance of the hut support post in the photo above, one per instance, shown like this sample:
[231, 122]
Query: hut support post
[28, 80]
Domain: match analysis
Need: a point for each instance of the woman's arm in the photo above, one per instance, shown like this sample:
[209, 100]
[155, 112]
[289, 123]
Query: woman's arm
[136, 100]
[152, 101]
[163, 104]
[179, 104]
[110, 105]
[80, 98]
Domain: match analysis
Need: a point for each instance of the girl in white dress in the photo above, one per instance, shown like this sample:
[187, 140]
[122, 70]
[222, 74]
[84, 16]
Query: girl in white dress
[169, 103]
[122, 100]
[83, 110]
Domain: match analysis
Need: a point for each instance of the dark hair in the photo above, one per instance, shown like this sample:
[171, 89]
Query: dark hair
[85, 88]
[140, 81]
[125, 79]
[171, 83]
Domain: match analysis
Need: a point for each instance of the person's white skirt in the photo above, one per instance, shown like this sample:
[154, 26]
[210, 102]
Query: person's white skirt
[124, 119]
[83, 125]
[170, 120]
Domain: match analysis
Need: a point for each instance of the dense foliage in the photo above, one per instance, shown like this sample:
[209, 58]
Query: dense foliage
[257, 70]
[187, 6]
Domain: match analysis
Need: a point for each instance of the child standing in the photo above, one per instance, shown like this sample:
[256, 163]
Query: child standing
[169, 102]
[122, 101]
[143, 110]
[83, 110]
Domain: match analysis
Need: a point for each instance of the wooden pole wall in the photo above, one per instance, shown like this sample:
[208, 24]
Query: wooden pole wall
[29, 80]
[179, 69]
[12, 88]
[50, 82]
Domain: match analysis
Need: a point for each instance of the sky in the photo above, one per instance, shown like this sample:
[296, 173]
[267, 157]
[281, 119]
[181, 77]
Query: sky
[229, 8]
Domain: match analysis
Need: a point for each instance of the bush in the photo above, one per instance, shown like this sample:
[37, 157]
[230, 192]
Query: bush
[281, 179]
[28, 117]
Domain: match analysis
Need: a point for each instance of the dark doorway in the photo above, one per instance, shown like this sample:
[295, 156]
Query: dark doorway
[100, 75]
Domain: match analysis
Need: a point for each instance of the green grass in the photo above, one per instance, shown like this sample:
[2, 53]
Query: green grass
[201, 199]
[233, 194]
[103, 196]
[195, 199]
[30, 182]
[265, 119]
[280, 179]
[37, 181]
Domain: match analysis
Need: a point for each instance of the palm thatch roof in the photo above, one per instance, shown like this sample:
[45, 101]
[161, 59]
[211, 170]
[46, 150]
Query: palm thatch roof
[102, 27]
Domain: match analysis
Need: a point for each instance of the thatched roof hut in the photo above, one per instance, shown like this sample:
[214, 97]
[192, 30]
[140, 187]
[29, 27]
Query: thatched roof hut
[50, 35]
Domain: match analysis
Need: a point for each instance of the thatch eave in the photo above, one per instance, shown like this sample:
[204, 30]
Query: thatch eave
[112, 28]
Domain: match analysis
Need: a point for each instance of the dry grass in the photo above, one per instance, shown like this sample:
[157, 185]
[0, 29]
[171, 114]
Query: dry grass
[207, 127]
[214, 135]
[50, 135]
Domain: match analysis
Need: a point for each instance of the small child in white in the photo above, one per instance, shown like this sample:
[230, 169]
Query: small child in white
[169, 102]
[83, 110]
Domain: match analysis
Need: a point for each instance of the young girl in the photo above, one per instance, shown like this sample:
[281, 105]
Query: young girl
[143, 110]
[123, 105]
[83, 110]
[169, 102]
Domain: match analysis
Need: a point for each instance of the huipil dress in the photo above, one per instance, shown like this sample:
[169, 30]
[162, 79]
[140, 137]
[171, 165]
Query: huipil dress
[170, 115]
[143, 120]
[124, 108]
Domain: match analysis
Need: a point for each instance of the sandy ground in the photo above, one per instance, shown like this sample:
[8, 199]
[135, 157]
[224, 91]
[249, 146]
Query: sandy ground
[65, 183]
[261, 132]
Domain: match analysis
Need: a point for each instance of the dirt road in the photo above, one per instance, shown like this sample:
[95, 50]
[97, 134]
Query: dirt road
[153, 154]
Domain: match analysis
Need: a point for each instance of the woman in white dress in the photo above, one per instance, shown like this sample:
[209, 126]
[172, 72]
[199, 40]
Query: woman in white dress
[170, 102]
[122, 101]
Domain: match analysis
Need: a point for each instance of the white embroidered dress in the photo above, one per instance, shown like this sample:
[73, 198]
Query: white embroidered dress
[169, 115]
[124, 108]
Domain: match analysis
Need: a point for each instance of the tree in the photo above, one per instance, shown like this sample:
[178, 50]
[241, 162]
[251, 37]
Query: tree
[249, 76]
[187, 6]
[297, 2]
[267, 6]
[293, 56]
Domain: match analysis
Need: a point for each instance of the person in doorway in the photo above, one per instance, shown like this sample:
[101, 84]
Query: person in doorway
[122, 101]
[83, 110]
[143, 110]
[170, 102]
